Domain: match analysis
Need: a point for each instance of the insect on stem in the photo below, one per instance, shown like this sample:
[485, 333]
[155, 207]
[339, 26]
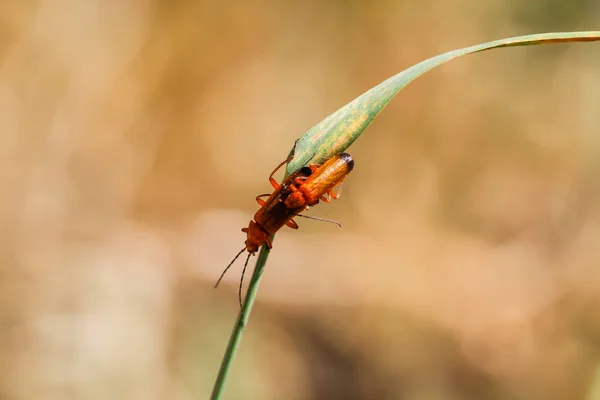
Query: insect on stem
[300, 190]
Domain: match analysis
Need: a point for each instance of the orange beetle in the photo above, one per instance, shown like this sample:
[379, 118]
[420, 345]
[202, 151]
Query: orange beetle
[300, 190]
[323, 179]
[270, 217]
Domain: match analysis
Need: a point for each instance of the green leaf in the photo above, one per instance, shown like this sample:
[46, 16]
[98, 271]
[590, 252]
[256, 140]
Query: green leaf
[339, 130]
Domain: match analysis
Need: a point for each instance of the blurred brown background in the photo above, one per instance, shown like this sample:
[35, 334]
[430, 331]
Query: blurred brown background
[135, 135]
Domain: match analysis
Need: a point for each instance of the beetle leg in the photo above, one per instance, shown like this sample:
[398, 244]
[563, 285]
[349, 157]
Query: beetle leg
[269, 243]
[333, 193]
[260, 201]
[292, 224]
[336, 194]
[299, 181]
[273, 181]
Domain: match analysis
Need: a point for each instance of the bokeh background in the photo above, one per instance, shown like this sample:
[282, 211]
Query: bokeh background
[135, 135]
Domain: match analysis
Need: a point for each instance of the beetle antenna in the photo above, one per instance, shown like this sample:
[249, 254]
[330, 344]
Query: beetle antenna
[242, 281]
[320, 219]
[230, 264]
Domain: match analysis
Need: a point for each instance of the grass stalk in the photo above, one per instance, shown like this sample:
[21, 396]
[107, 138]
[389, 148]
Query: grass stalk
[242, 320]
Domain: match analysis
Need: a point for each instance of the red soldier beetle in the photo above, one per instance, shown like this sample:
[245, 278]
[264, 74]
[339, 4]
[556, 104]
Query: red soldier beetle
[300, 190]
[323, 180]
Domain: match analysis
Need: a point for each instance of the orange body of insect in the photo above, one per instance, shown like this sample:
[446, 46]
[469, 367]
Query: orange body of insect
[323, 180]
[299, 191]
[274, 213]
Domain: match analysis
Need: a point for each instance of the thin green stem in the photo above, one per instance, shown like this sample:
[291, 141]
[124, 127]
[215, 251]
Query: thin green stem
[238, 329]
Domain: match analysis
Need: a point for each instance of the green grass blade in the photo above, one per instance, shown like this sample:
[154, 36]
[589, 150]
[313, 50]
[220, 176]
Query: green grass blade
[339, 130]
[238, 329]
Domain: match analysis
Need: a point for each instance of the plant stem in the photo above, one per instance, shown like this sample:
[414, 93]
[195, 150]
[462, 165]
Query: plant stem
[238, 329]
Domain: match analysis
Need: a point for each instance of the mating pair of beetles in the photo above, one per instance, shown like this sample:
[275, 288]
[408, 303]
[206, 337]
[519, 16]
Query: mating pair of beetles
[299, 191]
